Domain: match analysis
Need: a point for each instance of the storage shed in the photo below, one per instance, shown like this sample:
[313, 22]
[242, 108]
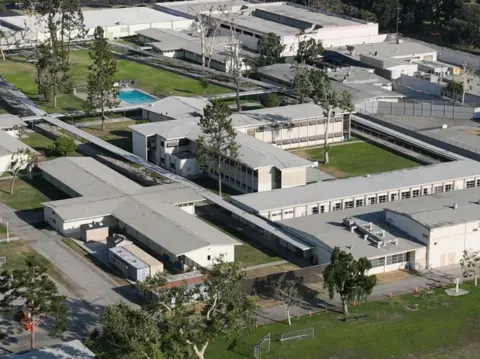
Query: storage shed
[131, 266]
[155, 265]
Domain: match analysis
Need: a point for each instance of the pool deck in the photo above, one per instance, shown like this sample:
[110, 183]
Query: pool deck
[122, 104]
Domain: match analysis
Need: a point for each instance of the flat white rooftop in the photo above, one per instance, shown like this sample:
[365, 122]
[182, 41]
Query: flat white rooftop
[329, 229]
[9, 121]
[10, 144]
[392, 49]
[362, 185]
[103, 17]
[73, 349]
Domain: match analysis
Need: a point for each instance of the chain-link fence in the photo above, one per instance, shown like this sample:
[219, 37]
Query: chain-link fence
[438, 109]
[298, 335]
[262, 346]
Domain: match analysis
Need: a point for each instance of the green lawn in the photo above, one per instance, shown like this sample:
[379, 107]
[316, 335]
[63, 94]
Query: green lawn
[450, 329]
[29, 194]
[3, 231]
[16, 253]
[357, 159]
[41, 143]
[156, 81]
[117, 133]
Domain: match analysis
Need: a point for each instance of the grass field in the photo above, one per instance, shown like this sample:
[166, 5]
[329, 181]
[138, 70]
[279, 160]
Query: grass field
[450, 329]
[117, 133]
[42, 143]
[29, 194]
[3, 231]
[158, 82]
[357, 159]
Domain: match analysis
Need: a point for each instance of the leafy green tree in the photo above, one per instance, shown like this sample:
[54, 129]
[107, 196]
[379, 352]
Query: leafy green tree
[22, 159]
[39, 295]
[301, 81]
[463, 28]
[101, 92]
[270, 100]
[49, 72]
[324, 95]
[217, 142]
[453, 89]
[226, 309]
[386, 11]
[270, 50]
[308, 50]
[128, 333]
[348, 277]
[63, 145]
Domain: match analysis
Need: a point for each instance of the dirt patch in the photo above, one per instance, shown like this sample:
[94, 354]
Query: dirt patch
[271, 270]
[333, 171]
[391, 277]
[473, 131]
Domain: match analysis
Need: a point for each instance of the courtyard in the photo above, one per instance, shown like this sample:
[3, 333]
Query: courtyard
[21, 74]
[356, 158]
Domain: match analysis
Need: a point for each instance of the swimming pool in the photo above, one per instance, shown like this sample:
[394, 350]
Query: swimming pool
[135, 97]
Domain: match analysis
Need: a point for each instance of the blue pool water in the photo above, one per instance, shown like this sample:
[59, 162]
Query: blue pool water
[135, 97]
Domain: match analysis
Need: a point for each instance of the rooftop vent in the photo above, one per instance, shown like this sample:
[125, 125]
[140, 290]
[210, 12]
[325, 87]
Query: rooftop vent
[455, 206]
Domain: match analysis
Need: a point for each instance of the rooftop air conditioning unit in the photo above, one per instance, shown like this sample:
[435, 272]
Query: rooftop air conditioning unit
[348, 222]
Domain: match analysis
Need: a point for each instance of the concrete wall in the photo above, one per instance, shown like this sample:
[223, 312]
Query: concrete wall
[205, 256]
[5, 162]
[72, 227]
[293, 177]
[139, 145]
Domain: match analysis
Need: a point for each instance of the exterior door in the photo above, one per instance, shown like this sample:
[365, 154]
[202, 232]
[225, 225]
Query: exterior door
[443, 260]
[451, 258]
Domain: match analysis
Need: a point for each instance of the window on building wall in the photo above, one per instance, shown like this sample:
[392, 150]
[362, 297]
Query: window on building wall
[244, 186]
[405, 195]
[322, 209]
[397, 258]
[382, 198]
[438, 189]
[448, 187]
[478, 182]
[337, 207]
[470, 184]
[286, 213]
[425, 191]
[359, 203]
[314, 210]
[249, 188]
[393, 197]
[416, 193]
[162, 143]
[275, 214]
[348, 204]
[255, 173]
[371, 200]
[209, 257]
[378, 262]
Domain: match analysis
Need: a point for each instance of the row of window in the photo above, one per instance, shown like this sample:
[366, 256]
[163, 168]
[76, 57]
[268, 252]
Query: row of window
[188, 204]
[393, 259]
[293, 124]
[248, 33]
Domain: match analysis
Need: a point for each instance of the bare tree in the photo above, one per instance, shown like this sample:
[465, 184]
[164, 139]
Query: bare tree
[22, 159]
[470, 263]
[468, 71]
[20, 131]
[234, 61]
[206, 26]
[286, 291]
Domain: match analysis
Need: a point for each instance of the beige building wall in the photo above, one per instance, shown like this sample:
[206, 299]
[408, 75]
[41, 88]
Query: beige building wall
[293, 177]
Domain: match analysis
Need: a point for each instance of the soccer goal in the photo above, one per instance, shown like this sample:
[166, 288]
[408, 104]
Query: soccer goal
[262, 346]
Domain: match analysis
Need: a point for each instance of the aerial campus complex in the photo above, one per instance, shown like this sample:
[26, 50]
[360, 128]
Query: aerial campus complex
[401, 189]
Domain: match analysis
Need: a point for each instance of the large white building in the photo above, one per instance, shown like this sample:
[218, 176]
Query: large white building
[340, 194]
[425, 232]
[291, 23]
[117, 23]
[159, 218]
[170, 141]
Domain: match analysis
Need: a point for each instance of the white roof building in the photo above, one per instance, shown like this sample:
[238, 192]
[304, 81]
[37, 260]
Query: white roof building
[361, 191]
[252, 20]
[160, 218]
[9, 144]
[117, 23]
